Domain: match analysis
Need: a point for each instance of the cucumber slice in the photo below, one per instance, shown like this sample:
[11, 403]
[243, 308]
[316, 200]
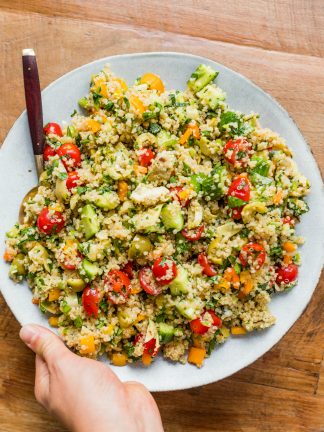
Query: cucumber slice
[89, 221]
[166, 332]
[202, 76]
[180, 284]
[77, 284]
[88, 270]
[189, 308]
[172, 217]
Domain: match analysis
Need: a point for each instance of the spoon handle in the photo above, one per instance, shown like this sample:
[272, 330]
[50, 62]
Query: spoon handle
[34, 105]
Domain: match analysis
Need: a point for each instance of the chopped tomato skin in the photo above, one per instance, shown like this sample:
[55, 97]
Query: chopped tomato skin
[253, 254]
[237, 152]
[146, 157]
[148, 282]
[196, 235]
[72, 180]
[70, 155]
[198, 325]
[240, 188]
[48, 152]
[117, 285]
[207, 269]
[164, 270]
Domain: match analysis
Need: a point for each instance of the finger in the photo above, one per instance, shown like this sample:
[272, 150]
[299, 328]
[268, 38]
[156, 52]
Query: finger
[43, 342]
[41, 381]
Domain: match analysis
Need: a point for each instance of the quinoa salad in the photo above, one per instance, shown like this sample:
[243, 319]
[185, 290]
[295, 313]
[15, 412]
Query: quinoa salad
[163, 222]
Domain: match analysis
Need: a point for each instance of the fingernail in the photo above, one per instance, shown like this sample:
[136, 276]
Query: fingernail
[27, 333]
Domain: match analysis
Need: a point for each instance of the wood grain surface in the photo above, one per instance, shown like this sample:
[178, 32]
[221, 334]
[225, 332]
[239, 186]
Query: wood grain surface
[278, 44]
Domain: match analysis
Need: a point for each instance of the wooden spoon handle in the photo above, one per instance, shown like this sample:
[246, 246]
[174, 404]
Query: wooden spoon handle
[33, 100]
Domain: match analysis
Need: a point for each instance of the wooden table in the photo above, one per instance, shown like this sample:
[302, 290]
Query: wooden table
[280, 46]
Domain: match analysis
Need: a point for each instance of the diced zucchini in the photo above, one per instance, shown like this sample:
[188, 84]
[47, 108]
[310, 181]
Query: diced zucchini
[235, 202]
[119, 162]
[166, 332]
[262, 166]
[210, 148]
[189, 308]
[202, 76]
[126, 316]
[195, 214]
[165, 140]
[89, 221]
[172, 216]
[107, 201]
[180, 284]
[83, 102]
[68, 302]
[88, 270]
[17, 267]
[148, 221]
[39, 254]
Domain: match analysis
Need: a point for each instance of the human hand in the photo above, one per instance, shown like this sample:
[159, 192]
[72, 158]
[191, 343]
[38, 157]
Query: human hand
[86, 394]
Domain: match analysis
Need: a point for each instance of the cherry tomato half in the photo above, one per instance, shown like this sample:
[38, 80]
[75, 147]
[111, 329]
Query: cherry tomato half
[72, 179]
[240, 188]
[207, 269]
[288, 220]
[53, 128]
[90, 301]
[287, 274]
[207, 319]
[148, 282]
[50, 221]
[164, 270]
[117, 285]
[237, 152]
[253, 254]
[70, 155]
[129, 270]
[176, 191]
[236, 213]
[150, 347]
[48, 152]
[193, 235]
[145, 157]
[69, 256]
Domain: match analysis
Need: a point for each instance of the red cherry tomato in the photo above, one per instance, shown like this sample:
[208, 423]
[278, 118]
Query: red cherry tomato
[236, 213]
[237, 152]
[117, 285]
[69, 256]
[70, 155]
[175, 191]
[90, 301]
[128, 269]
[240, 188]
[202, 324]
[287, 274]
[148, 282]
[53, 128]
[48, 152]
[72, 179]
[253, 254]
[145, 157]
[150, 347]
[207, 269]
[164, 270]
[193, 235]
[50, 221]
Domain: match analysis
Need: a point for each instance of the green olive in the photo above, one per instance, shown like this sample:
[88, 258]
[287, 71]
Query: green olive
[139, 247]
[77, 284]
[17, 267]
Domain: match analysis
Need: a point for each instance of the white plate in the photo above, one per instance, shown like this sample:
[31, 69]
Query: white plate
[60, 99]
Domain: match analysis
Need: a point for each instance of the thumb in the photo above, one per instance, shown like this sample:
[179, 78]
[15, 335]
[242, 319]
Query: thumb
[43, 342]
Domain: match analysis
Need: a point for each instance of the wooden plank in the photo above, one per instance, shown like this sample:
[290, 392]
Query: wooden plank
[282, 391]
[286, 25]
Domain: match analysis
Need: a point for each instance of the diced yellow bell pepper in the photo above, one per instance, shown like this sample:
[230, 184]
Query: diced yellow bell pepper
[119, 359]
[289, 246]
[238, 330]
[87, 345]
[108, 330]
[53, 321]
[137, 104]
[122, 189]
[93, 125]
[54, 294]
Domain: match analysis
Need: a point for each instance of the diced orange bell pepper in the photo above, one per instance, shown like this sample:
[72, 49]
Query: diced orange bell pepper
[93, 125]
[289, 246]
[140, 169]
[146, 359]
[122, 83]
[119, 359]
[192, 129]
[153, 82]
[196, 356]
[287, 259]
[278, 197]
[231, 276]
[9, 255]
[87, 345]
[185, 136]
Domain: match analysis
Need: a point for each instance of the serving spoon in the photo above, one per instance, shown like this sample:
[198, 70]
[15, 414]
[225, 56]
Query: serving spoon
[35, 118]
